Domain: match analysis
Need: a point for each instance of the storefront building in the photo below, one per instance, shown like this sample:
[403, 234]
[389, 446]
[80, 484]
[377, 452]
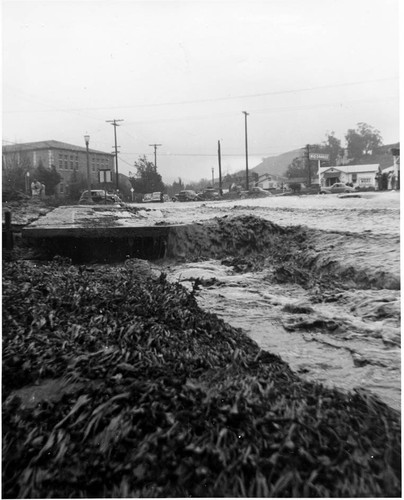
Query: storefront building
[362, 176]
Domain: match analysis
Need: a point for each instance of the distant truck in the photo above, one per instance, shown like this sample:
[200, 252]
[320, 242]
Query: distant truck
[156, 197]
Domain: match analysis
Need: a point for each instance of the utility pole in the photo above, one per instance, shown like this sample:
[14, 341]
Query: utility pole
[155, 154]
[219, 158]
[115, 124]
[213, 176]
[307, 154]
[246, 149]
[87, 141]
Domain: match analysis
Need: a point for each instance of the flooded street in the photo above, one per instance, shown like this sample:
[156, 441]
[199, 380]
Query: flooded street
[340, 343]
[341, 329]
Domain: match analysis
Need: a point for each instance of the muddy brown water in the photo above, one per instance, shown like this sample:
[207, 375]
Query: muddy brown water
[345, 335]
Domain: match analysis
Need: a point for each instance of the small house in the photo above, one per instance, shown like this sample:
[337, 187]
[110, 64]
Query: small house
[271, 181]
[362, 176]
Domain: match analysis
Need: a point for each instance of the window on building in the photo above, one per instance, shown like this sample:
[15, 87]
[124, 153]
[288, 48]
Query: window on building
[71, 165]
[60, 163]
[354, 177]
[61, 188]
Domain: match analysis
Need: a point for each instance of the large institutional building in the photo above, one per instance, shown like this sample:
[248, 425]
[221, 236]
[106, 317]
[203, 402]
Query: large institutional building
[69, 161]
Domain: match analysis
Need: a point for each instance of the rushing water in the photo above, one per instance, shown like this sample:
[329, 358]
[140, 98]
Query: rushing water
[347, 336]
[328, 341]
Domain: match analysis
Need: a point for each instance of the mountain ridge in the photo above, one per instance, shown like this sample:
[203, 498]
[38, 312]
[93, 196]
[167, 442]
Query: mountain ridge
[277, 165]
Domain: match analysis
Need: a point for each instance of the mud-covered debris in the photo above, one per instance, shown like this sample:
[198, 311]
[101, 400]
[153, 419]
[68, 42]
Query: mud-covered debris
[328, 325]
[299, 308]
[166, 400]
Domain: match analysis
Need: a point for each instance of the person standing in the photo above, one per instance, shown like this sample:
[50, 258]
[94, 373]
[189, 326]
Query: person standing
[36, 188]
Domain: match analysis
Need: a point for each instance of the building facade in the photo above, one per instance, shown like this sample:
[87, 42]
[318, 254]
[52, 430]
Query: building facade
[270, 181]
[362, 176]
[69, 161]
[393, 172]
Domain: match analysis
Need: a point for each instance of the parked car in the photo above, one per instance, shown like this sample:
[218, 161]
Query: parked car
[259, 191]
[100, 196]
[209, 193]
[188, 195]
[338, 187]
[255, 192]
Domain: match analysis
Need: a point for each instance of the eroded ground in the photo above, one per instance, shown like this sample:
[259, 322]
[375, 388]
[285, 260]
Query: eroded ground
[334, 314]
[315, 279]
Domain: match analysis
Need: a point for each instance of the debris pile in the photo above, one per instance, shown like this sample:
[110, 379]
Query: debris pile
[157, 398]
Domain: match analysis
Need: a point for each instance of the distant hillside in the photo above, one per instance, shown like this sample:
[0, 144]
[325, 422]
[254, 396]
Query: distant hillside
[277, 165]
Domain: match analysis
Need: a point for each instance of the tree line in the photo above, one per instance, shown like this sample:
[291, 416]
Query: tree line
[361, 142]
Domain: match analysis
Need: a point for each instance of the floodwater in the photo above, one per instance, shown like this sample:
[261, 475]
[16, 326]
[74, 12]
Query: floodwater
[342, 335]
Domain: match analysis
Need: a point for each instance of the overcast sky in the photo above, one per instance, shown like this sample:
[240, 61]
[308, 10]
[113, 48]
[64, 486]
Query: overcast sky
[180, 73]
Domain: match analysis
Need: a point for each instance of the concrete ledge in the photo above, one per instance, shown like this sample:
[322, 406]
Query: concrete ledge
[102, 234]
[95, 232]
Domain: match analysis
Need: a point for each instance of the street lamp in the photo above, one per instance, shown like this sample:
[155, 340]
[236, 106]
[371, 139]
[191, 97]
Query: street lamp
[87, 141]
[27, 182]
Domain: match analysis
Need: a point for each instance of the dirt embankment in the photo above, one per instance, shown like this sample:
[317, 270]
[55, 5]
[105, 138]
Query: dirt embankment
[26, 210]
[294, 254]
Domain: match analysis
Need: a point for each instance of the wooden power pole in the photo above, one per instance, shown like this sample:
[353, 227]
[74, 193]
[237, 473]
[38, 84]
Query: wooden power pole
[115, 124]
[246, 149]
[219, 158]
[155, 154]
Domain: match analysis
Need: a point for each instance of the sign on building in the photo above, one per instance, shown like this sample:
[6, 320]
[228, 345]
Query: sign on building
[105, 176]
[319, 156]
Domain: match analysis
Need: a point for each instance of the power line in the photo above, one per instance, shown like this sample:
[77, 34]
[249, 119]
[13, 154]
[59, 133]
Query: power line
[127, 163]
[228, 98]
[261, 110]
[245, 96]
[207, 155]
[286, 109]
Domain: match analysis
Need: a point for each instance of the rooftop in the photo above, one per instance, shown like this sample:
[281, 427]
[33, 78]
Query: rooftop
[40, 145]
[352, 169]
